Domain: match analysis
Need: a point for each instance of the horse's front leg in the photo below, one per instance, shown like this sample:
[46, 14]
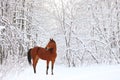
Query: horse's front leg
[52, 67]
[47, 67]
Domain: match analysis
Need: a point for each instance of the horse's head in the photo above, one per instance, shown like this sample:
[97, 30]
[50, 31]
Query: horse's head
[51, 45]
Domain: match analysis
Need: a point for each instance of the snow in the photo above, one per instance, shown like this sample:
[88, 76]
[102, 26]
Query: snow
[61, 72]
[2, 27]
[86, 32]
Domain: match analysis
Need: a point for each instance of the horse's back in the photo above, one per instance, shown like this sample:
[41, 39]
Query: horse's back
[34, 51]
[43, 53]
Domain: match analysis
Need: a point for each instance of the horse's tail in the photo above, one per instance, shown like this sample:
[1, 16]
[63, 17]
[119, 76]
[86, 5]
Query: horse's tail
[29, 56]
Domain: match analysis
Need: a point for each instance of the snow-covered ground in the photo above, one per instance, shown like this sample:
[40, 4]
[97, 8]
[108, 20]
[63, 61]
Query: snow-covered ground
[61, 72]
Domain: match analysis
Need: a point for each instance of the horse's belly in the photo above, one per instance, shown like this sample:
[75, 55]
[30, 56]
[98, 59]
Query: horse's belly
[47, 57]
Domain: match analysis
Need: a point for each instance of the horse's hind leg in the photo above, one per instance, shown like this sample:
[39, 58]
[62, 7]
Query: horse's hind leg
[52, 67]
[35, 60]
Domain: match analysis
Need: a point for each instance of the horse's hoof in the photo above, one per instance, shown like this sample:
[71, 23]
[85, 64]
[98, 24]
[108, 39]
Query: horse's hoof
[34, 72]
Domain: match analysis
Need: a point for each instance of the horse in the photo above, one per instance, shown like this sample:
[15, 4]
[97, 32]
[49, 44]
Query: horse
[48, 53]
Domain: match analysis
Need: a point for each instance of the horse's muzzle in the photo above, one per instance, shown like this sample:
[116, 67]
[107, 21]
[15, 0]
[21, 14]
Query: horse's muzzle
[47, 48]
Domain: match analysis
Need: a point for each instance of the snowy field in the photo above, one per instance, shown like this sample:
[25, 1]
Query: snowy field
[94, 72]
[85, 31]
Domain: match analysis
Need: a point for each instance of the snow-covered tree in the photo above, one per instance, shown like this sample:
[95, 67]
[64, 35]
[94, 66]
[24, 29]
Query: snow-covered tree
[86, 31]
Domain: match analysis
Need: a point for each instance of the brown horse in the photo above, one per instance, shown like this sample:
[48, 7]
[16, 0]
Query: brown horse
[48, 53]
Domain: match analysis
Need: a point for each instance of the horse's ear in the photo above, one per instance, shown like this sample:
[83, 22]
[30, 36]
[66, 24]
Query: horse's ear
[50, 39]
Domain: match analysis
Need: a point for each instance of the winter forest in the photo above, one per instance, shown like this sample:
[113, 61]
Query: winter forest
[86, 31]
